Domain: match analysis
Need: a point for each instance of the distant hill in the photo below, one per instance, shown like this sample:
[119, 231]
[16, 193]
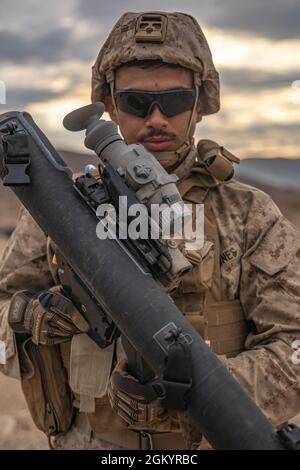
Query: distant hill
[278, 172]
[278, 177]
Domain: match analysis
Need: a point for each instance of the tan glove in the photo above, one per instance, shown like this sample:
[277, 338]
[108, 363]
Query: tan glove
[131, 400]
[48, 316]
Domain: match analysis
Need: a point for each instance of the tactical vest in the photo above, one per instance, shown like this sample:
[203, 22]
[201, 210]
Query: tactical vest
[220, 322]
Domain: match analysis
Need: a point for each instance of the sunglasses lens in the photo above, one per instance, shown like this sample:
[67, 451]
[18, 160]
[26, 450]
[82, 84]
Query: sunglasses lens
[133, 103]
[177, 102]
[141, 103]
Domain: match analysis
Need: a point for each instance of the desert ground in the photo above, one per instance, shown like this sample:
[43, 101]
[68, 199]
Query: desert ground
[17, 430]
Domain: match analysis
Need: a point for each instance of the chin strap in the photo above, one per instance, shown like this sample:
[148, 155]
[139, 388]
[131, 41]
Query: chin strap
[183, 170]
[172, 159]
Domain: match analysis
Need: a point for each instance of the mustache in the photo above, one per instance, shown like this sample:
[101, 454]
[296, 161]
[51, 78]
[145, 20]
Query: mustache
[157, 133]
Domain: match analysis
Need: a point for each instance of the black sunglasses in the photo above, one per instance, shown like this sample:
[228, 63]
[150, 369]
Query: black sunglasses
[141, 103]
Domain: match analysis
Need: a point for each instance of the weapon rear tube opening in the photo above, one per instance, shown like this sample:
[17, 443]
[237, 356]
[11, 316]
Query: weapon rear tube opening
[218, 405]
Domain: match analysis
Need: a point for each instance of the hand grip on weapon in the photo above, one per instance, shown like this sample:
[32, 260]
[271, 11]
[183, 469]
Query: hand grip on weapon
[131, 400]
[139, 403]
[49, 316]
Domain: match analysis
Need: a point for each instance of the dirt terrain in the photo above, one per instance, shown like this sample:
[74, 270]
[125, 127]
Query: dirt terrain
[17, 430]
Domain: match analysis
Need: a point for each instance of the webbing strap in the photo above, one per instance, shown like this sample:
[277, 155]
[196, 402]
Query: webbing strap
[211, 233]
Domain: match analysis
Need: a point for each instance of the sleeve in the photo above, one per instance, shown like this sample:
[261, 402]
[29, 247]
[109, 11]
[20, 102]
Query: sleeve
[23, 265]
[269, 368]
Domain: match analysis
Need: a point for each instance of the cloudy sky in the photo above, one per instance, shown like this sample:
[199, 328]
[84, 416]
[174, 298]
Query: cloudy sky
[47, 50]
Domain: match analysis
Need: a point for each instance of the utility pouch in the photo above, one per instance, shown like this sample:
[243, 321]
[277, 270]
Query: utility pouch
[199, 279]
[46, 389]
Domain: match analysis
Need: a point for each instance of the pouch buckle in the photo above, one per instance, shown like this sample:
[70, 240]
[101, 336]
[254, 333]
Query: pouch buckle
[17, 156]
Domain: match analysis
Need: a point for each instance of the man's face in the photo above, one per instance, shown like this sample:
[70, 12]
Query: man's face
[156, 132]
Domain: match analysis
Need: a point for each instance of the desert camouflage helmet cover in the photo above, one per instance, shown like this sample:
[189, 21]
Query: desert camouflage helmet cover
[174, 38]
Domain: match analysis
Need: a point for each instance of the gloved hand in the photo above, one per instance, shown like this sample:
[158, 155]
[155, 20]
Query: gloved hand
[131, 400]
[48, 316]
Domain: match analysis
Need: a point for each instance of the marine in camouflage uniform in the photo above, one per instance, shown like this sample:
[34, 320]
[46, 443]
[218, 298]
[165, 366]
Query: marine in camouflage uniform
[242, 295]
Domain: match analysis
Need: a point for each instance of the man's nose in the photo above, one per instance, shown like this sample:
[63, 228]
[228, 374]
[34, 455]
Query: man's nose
[156, 119]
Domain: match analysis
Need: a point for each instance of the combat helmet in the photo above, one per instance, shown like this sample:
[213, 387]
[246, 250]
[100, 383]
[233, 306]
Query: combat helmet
[174, 38]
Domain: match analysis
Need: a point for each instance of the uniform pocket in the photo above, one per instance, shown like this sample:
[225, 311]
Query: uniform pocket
[277, 249]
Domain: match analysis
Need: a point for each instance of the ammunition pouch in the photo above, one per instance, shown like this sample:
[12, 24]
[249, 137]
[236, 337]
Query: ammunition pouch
[223, 327]
[217, 160]
[45, 387]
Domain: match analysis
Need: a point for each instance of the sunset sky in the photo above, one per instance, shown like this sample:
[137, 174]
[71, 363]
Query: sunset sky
[47, 50]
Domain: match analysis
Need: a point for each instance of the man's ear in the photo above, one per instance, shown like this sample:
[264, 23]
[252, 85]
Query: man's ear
[110, 108]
